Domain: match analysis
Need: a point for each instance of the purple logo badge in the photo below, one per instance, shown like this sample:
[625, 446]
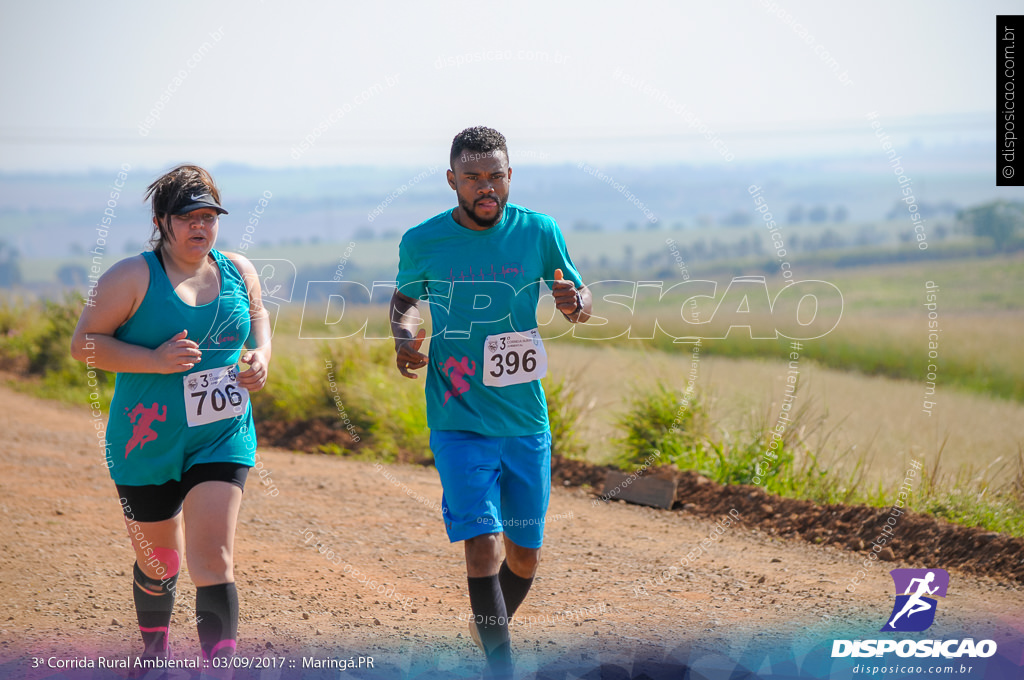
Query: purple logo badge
[915, 605]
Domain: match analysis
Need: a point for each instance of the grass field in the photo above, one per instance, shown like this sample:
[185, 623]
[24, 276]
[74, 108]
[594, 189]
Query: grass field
[876, 417]
[884, 329]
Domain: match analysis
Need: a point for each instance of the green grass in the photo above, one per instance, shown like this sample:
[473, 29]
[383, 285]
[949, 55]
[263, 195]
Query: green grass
[887, 352]
[565, 413]
[679, 427]
[992, 497]
[35, 341]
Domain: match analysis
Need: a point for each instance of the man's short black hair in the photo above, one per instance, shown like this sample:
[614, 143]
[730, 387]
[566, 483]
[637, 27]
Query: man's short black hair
[477, 140]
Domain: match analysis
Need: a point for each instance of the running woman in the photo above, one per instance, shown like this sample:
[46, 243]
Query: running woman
[173, 323]
[480, 266]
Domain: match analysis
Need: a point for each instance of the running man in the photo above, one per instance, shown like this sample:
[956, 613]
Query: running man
[914, 603]
[480, 266]
[173, 324]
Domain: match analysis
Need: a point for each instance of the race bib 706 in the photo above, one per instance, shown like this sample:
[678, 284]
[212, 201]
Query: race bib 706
[214, 395]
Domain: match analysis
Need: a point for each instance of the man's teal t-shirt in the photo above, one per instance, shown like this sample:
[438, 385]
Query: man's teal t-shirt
[478, 284]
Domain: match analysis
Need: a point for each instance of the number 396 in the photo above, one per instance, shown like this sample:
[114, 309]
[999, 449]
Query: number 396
[510, 363]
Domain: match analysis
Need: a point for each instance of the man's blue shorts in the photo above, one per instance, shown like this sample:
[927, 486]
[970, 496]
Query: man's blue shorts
[494, 484]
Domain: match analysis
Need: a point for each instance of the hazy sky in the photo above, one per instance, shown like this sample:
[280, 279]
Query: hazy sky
[382, 83]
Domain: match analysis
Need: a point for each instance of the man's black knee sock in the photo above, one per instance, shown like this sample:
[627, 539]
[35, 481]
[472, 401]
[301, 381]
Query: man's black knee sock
[513, 588]
[491, 620]
[217, 619]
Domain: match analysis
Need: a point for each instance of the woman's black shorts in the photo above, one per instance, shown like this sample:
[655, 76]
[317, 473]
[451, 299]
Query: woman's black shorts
[157, 502]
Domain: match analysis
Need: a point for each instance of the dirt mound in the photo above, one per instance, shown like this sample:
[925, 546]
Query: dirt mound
[918, 539]
[304, 435]
[316, 435]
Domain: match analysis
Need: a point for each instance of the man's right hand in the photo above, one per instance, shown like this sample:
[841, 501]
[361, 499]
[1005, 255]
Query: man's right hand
[409, 356]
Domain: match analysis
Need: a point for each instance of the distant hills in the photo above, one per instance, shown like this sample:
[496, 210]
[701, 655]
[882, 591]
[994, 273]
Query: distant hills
[55, 217]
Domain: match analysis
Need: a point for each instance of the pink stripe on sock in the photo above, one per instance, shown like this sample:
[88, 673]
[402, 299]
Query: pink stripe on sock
[159, 629]
[219, 646]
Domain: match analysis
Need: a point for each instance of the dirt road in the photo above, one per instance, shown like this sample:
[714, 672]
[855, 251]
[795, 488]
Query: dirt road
[65, 570]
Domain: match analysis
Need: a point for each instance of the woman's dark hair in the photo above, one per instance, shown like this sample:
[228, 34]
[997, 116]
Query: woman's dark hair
[173, 189]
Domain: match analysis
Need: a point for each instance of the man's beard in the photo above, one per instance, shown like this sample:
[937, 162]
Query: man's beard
[467, 209]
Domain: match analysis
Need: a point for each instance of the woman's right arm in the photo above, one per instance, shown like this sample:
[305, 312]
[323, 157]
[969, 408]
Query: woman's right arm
[119, 292]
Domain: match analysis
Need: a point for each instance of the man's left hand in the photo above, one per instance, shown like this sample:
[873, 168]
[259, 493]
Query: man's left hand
[567, 297]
